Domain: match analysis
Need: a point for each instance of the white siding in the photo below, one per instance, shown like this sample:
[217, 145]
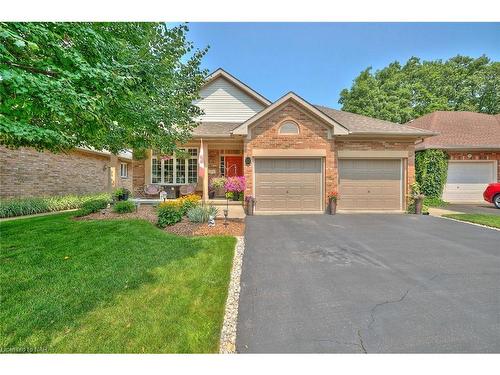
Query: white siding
[224, 102]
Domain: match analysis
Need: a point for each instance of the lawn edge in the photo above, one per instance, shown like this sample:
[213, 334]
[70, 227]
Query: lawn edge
[469, 222]
[227, 343]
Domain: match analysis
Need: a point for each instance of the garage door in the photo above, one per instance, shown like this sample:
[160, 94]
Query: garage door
[467, 180]
[288, 184]
[366, 184]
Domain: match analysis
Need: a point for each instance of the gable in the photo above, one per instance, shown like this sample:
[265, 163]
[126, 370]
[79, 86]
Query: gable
[327, 121]
[222, 101]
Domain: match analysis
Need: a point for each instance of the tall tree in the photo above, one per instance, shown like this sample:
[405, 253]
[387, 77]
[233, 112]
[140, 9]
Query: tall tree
[102, 85]
[400, 93]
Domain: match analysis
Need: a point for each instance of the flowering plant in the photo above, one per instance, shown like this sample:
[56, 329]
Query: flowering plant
[235, 184]
[217, 182]
[333, 195]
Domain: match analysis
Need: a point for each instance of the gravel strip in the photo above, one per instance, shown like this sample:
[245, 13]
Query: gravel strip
[227, 343]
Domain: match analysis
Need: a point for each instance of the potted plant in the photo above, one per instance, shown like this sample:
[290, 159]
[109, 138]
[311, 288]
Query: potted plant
[121, 194]
[250, 204]
[418, 198]
[218, 185]
[332, 200]
[235, 185]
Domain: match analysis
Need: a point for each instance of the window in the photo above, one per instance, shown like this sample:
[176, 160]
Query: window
[289, 127]
[222, 166]
[123, 170]
[175, 170]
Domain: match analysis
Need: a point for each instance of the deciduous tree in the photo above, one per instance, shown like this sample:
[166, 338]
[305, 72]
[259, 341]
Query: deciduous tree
[102, 85]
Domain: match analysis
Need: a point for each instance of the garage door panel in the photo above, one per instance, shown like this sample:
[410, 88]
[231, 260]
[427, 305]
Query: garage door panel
[288, 184]
[370, 184]
[467, 181]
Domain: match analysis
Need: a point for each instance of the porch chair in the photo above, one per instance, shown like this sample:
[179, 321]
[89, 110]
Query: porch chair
[187, 189]
[151, 190]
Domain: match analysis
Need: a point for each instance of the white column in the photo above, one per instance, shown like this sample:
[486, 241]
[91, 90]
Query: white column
[205, 177]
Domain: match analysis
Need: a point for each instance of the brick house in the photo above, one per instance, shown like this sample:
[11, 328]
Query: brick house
[26, 172]
[291, 152]
[472, 142]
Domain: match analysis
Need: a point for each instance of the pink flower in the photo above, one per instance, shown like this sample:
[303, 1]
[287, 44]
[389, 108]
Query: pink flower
[235, 184]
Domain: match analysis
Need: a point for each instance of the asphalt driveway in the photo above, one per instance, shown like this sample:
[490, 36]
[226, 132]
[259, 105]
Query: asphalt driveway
[369, 283]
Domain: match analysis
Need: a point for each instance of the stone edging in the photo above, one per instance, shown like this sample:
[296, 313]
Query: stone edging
[227, 344]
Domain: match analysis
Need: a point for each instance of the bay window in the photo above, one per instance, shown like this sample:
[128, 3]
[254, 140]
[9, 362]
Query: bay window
[173, 170]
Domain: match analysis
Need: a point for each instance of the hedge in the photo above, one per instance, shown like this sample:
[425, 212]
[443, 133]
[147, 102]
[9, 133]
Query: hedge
[31, 206]
[431, 170]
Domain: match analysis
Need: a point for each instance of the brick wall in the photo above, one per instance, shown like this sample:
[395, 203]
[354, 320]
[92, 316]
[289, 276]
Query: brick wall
[312, 135]
[477, 155]
[26, 172]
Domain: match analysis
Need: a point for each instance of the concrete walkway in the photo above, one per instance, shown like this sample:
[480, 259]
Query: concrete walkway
[478, 208]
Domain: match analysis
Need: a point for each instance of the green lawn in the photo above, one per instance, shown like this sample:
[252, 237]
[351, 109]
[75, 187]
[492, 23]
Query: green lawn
[489, 220]
[110, 287]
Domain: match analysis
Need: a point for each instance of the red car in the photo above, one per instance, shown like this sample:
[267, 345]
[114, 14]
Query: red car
[492, 194]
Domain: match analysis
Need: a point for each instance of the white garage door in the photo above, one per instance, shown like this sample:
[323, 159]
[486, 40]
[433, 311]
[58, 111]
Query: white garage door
[467, 180]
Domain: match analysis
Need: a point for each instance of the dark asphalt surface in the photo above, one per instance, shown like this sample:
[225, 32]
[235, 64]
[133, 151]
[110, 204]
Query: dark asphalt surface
[357, 283]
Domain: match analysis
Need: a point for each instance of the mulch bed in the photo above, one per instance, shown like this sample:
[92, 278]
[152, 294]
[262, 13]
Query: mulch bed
[144, 212]
[235, 227]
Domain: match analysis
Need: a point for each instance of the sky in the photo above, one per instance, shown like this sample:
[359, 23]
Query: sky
[318, 60]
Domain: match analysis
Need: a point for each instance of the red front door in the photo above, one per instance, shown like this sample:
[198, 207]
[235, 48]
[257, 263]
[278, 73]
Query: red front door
[234, 166]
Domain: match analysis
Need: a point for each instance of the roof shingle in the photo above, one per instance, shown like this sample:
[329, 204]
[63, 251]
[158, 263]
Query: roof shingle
[214, 129]
[359, 124]
[460, 130]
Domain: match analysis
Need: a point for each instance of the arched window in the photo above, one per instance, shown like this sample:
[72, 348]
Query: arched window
[289, 127]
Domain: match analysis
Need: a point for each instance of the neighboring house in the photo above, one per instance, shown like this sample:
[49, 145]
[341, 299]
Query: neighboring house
[26, 172]
[472, 141]
[292, 153]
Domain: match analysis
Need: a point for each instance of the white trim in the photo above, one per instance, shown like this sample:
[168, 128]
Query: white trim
[290, 153]
[357, 154]
[121, 170]
[401, 189]
[247, 89]
[337, 127]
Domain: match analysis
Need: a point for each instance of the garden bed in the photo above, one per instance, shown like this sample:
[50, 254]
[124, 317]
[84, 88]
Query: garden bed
[235, 227]
[143, 212]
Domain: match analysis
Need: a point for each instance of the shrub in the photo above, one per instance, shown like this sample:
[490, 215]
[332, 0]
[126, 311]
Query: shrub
[434, 202]
[31, 206]
[123, 207]
[92, 206]
[431, 169]
[121, 194]
[169, 212]
[189, 201]
[201, 213]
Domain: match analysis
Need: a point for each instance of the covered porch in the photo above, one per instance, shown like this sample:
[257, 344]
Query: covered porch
[221, 157]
